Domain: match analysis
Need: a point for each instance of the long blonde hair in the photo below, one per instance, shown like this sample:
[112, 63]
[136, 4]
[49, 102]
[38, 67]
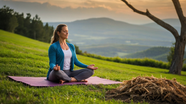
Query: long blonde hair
[55, 36]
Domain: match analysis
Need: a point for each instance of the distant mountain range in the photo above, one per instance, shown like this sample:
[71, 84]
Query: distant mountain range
[108, 37]
[96, 31]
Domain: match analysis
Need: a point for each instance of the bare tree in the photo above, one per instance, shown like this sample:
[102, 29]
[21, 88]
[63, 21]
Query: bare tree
[177, 62]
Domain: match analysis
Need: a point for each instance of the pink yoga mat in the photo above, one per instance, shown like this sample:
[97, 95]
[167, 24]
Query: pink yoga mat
[42, 82]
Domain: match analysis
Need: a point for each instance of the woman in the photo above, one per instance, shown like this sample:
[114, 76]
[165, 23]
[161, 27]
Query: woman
[62, 57]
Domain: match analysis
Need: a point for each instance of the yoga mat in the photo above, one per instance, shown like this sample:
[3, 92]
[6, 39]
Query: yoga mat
[43, 82]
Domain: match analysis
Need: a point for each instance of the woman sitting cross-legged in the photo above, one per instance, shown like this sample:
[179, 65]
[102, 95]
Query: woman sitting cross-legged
[62, 57]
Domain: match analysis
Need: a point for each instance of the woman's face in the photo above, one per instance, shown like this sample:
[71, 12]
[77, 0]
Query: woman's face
[64, 33]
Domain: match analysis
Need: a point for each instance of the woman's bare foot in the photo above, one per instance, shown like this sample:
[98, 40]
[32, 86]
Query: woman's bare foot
[61, 81]
[73, 79]
[84, 80]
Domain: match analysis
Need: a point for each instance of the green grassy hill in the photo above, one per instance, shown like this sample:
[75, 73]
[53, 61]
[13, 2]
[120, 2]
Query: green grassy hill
[113, 50]
[21, 56]
[157, 53]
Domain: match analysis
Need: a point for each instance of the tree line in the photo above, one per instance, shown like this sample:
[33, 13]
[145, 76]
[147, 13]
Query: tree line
[25, 25]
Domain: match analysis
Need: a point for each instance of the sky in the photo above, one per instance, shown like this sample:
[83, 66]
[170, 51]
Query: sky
[160, 8]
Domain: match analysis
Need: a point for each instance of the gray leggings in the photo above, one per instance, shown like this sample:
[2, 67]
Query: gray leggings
[66, 75]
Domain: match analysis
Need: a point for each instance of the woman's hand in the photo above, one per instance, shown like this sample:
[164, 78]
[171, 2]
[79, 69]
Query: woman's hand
[56, 67]
[92, 67]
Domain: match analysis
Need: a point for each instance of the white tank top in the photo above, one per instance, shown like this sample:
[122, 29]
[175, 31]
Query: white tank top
[67, 59]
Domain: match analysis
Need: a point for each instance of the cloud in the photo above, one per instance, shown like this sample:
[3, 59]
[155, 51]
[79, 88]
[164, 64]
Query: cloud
[51, 13]
[70, 10]
[155, 6]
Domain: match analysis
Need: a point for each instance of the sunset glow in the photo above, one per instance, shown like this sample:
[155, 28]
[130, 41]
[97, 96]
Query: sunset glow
[155, 6]
[160, 8]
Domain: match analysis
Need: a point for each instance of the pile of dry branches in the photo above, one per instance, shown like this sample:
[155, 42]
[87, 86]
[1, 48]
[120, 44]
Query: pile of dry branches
[151, 88]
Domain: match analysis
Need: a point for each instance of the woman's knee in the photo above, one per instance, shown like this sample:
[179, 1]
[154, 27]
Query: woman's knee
[59, 74]
[90, 71]
[56, 73]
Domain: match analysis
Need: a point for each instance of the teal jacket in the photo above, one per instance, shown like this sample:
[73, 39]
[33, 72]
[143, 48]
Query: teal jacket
[56, 56]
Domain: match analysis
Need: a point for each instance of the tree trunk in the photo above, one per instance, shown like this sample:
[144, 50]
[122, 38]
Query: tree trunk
[177, 62]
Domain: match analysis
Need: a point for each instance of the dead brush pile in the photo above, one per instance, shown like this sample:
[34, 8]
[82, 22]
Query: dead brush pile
[151, 88]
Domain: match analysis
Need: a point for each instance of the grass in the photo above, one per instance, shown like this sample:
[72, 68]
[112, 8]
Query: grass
[21, 56]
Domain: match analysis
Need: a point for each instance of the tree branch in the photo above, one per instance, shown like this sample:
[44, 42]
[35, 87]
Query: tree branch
[179, 12]
[134, 9]
[155, 19]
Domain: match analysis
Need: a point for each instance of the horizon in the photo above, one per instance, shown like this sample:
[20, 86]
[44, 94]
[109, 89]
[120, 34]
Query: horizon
[108, 18]
[70, 11]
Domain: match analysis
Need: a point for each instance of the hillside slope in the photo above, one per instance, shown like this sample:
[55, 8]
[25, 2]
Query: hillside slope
[113, 50]
[32, 53]
[21, 56]
[157, 53]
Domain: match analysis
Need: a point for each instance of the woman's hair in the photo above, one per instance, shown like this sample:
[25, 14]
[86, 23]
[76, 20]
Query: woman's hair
[55, 36]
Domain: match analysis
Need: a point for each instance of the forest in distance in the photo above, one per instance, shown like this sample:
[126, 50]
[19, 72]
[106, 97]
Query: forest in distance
[15, 22]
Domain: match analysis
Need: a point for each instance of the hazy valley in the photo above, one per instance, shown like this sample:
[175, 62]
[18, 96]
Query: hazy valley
[108, 37]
